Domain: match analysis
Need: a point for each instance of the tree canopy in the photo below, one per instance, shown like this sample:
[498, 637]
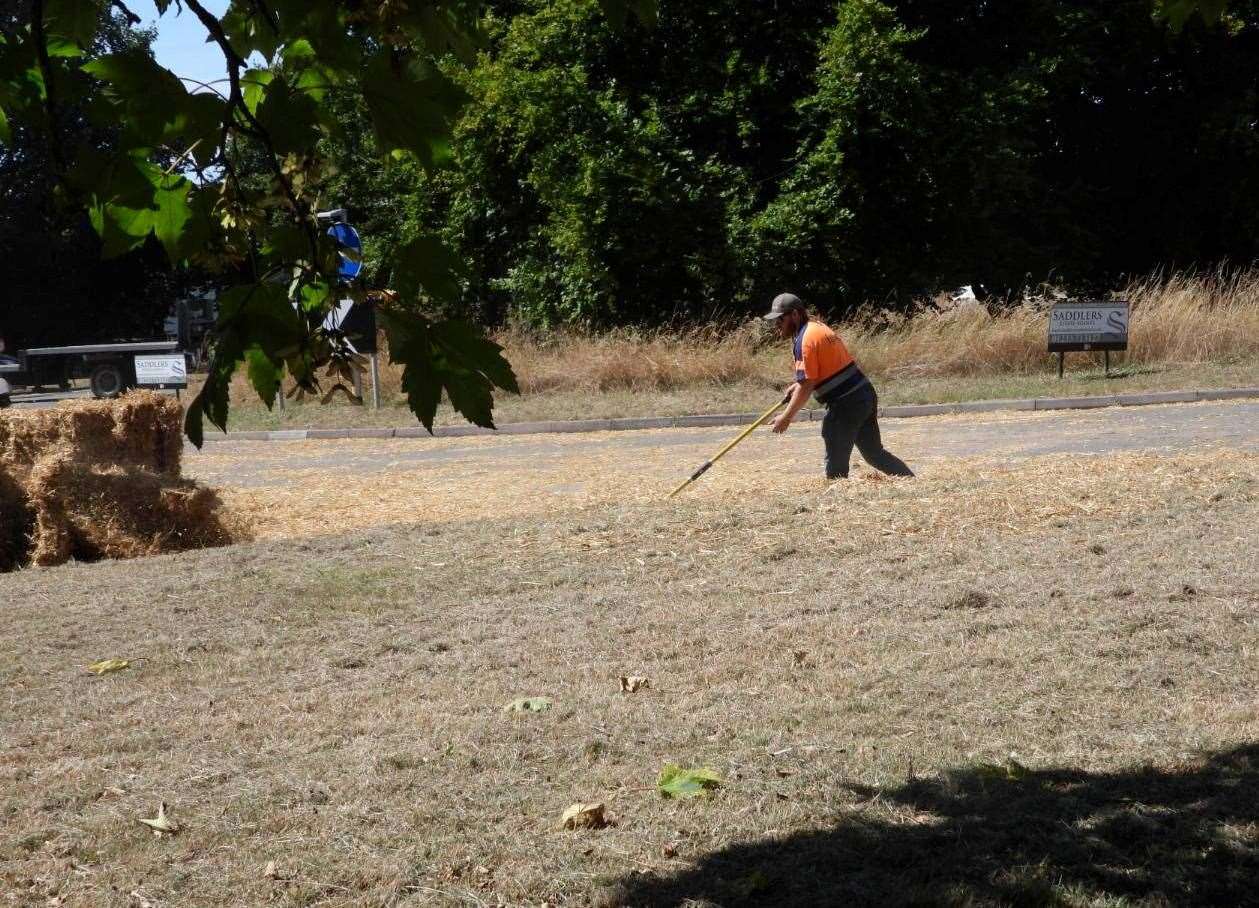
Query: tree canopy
[230, 177]
[859, 151]
[583, 162]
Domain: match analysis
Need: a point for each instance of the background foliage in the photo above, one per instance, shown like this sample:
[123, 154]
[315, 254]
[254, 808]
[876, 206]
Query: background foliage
[561, 162]
[857, 151]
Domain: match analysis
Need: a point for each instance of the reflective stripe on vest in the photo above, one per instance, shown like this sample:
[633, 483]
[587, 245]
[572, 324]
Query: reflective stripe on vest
[841, 384]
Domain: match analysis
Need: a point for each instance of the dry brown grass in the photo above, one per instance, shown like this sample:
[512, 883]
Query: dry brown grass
[850, 658]
[1183, 319]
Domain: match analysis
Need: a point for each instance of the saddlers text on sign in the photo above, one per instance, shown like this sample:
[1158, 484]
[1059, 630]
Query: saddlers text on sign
[1088, 326]
[161, 371]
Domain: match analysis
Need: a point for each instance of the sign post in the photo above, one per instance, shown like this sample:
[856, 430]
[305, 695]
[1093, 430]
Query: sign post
[162, 371]
[358, 323]
[1089, 325]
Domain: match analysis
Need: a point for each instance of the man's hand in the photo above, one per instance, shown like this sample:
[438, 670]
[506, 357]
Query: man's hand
[781, 422]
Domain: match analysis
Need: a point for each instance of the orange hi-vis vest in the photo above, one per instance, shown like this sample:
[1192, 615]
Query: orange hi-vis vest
[822, 358]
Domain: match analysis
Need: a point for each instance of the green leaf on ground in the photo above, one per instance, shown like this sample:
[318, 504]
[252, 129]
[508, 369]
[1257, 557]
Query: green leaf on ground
[528, 705]
[676, 782]
[1011, 770]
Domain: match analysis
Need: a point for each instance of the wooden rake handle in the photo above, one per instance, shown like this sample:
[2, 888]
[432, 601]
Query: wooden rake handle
[703, 468]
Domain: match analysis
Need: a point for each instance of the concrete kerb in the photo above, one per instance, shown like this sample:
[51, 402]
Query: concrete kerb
[738, 419]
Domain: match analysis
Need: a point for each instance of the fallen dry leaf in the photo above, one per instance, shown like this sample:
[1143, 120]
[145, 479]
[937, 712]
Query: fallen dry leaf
[105, 666]
[584, 816]
[161, 823]
[272, 872]
[632, 683]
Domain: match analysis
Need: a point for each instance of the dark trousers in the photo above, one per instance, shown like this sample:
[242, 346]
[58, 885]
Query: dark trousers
[855, 420]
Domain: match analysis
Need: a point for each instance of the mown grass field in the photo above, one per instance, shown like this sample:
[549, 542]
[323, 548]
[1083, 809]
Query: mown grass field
[1013, 680]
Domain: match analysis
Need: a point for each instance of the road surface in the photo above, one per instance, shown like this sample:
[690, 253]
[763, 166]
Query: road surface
[675, 452]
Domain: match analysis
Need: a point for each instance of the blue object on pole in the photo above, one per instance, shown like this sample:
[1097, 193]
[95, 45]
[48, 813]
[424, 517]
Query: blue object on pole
[347, 236]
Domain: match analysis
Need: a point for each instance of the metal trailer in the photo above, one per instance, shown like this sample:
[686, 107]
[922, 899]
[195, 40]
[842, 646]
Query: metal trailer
[109, 368]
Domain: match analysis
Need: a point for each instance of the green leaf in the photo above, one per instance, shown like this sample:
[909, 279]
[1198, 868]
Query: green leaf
[6, 134]
[253, 85]
[316, 297]
[409, 345]
[171, 215]
[63, 48]
[466, 344]
[152, 104]
[676, 782]
[213, 400]
[75, 21]
[1179, 12]
[471, 396]
[193, 416]
[249, 32]
[264, 375]
[618, 11]
[413, 107]
[125, 227]
[290, 117]
[262, 316]
[528, 705]
[199, 124]
[426, 267]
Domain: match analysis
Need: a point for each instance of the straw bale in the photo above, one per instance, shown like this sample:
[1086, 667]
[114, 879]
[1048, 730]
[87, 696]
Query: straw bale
[142, 429]
[15, 522]
[88, 512]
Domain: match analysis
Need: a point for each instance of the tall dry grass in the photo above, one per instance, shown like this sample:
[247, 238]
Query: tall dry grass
[1199, 317]
[1184, 318]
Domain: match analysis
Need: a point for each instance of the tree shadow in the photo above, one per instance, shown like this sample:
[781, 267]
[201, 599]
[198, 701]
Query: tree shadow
[1004, 836]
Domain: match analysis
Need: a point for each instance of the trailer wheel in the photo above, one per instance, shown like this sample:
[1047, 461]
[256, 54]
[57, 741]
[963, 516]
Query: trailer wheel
[107, 381]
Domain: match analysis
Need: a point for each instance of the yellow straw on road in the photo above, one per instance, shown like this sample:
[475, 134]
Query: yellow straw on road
[742, 435]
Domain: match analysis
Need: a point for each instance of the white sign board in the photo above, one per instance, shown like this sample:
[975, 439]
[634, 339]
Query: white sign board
[161, 370]
[1088, 326]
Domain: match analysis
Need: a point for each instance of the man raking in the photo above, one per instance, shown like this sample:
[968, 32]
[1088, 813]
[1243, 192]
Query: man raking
[826, 370]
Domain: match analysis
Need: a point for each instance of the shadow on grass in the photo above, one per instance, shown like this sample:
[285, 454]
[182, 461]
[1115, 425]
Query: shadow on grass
[1119, 372]
[988, 836]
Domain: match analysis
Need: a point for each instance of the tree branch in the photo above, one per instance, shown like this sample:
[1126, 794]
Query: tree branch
[45, 68]
[236, 102]
[272, 21]
[132, 18]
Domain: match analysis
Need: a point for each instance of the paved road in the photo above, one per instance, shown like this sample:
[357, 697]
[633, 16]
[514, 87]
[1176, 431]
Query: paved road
[31, 400]
[1085, 432]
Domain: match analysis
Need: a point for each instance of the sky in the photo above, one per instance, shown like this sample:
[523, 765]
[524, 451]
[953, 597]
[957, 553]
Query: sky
[180, 44]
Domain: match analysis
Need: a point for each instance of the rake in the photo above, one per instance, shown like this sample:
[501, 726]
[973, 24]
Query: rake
[742, 435]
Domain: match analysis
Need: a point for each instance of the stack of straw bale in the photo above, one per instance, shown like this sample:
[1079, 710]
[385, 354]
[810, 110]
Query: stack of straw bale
[100, 480]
